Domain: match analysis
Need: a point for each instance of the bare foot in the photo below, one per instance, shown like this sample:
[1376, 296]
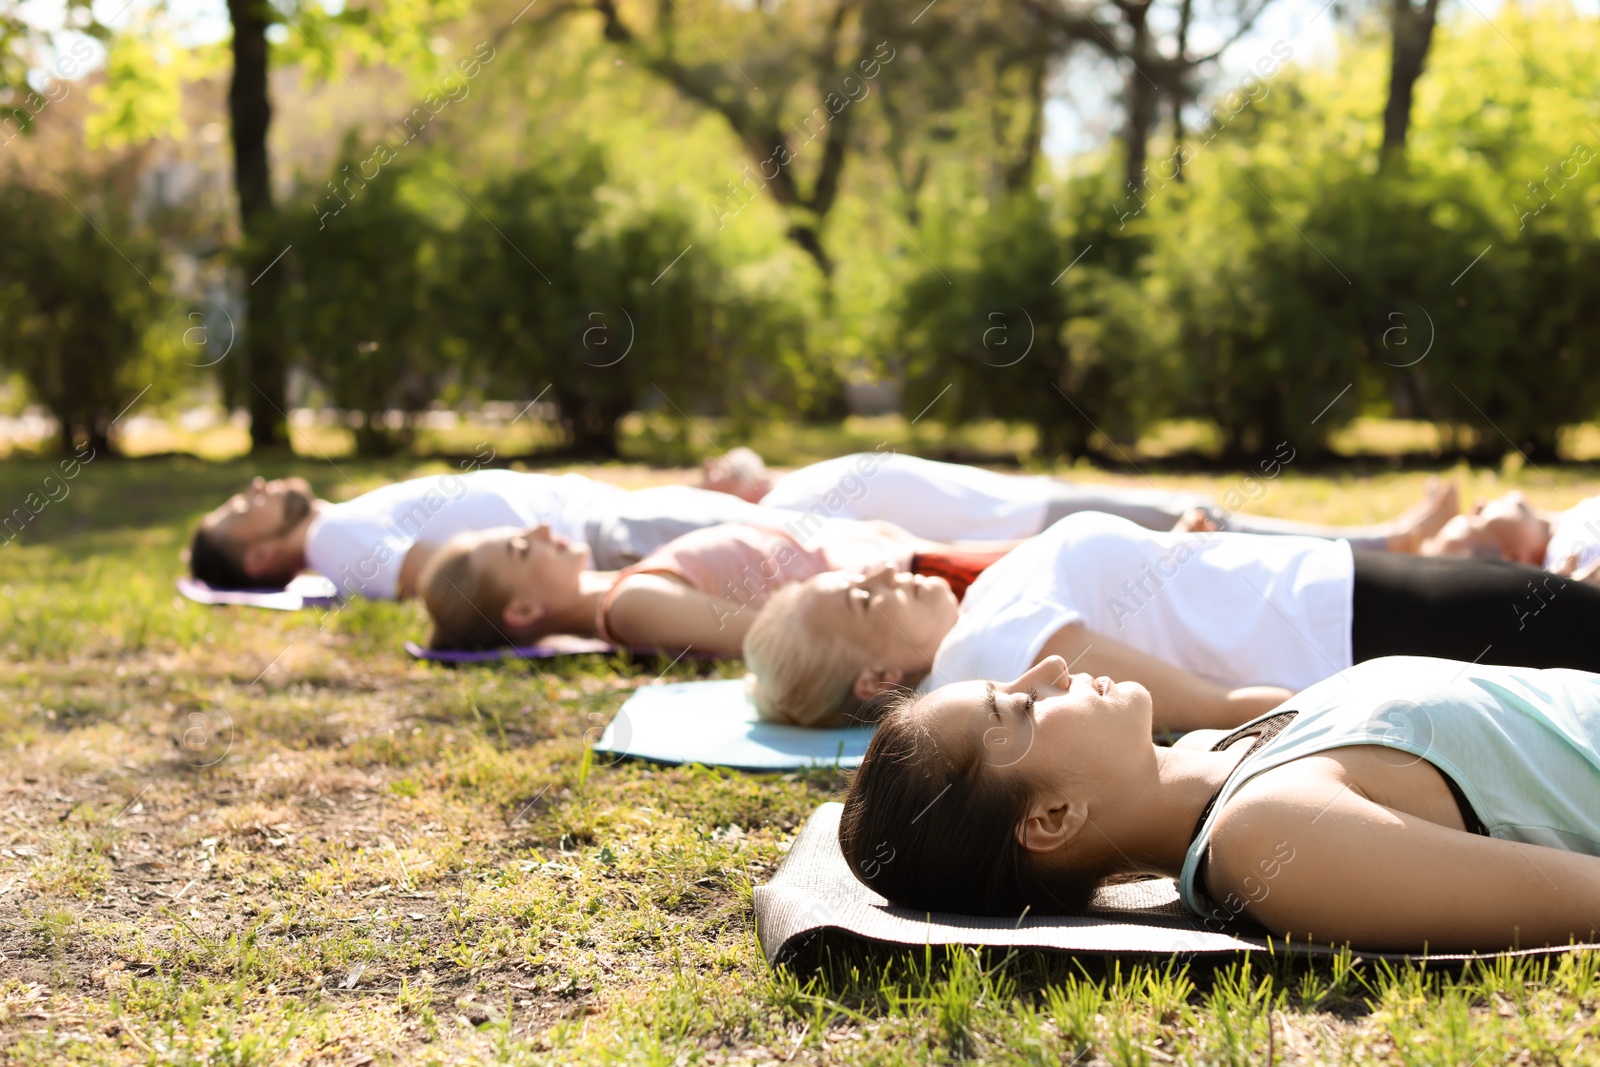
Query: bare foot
[1195, 520]
[1425, 518]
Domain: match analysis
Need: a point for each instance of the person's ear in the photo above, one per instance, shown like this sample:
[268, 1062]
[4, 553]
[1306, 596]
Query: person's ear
[873, 682]
[1051, 823]
[522, 613]
[263, 559]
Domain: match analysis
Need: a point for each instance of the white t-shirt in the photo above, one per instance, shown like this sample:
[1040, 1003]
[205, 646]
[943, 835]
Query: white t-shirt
[1240, 609]
[361, 543]
[940, 501]
[1578, 530]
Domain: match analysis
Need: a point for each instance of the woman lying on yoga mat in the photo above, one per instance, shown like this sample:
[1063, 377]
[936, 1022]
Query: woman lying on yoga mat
[1204, 621]
[1406, 803]
[1508, 527]
[514, 586]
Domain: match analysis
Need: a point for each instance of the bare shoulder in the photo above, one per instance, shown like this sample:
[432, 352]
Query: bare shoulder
[1268, 822]
[636, 597]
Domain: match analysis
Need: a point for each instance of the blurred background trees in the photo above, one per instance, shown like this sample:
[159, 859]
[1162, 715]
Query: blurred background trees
[744, 212]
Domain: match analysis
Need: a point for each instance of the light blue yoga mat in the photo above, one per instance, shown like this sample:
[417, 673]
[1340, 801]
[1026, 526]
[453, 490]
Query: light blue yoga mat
[715, 723]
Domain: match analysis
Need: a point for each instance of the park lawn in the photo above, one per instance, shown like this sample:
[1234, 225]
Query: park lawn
[360, 858]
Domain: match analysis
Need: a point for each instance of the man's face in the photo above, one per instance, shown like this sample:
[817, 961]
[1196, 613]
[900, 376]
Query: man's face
[265, 511]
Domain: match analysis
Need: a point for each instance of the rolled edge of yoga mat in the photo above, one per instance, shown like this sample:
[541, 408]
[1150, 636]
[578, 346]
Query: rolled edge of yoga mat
[815, 903]
[303, 591]
[714, 723]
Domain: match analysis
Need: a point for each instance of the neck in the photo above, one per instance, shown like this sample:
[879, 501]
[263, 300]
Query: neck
[1149, 832]
[1547, 528]
[295, 539]
[577, 616]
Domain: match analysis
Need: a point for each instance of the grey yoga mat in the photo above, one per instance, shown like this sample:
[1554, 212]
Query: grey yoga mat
[815, 899]
[715, 723]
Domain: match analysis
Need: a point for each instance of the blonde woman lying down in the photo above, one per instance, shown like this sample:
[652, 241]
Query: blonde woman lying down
[1219, 627]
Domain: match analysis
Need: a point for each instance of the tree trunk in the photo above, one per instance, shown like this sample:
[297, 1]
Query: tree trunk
[250, 114]
[1185, 16]
[1413, 34]
[591, 424]
[1143, 96]
[1018, 173]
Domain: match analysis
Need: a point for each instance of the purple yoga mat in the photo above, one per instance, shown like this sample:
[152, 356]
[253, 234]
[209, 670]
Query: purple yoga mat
[550, 647]
[304, 591]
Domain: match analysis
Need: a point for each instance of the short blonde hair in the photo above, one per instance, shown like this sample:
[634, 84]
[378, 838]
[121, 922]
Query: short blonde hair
[800, 674]
[465, 604]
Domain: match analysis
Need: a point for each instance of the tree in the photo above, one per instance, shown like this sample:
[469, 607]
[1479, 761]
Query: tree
[77, 319]
[1411, 30]
[250, 116]
[399, 38]
[790, 81]
[841, 50]
[1124, 32]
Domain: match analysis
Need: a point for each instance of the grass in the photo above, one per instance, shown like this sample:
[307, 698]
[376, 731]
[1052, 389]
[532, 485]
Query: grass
[240, 837]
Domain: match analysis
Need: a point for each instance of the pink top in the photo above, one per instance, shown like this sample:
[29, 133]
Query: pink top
[747, 564]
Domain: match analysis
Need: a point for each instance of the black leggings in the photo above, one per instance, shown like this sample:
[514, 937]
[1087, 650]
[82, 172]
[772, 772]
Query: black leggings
[1488, 611]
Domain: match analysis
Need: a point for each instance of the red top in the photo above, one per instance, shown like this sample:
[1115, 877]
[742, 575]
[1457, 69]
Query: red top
[960, 569]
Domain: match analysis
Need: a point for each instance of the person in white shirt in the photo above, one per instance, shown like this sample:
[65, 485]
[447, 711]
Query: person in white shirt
[955, 502]
[376, 544]
[1508, 527]
[1220, 626]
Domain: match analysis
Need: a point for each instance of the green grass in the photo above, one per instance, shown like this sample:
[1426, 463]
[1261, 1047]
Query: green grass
[241, 837]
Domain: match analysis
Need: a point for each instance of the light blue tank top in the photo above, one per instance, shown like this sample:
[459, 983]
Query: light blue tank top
[1522, 745]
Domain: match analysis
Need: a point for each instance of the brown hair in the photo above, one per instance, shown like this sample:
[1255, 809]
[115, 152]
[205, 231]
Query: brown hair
[466, 605]
[797, 675]
[218, 563]
[932, 826]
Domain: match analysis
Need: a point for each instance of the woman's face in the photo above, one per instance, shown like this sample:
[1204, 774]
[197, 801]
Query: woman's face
[1048, 725]
[896, 617]
[533, 565]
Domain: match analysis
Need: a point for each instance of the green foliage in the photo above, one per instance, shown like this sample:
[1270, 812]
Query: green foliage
[367, 308]
[537, 282]
[1294, 268]
[1002, 328]
[81, 303]
[1288, 283]
[141, 97]
[612, 307]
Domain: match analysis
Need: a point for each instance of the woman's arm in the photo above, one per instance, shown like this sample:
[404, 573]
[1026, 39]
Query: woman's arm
[896, 533]
[659, 611]
[1340, 868]
[1183, 701]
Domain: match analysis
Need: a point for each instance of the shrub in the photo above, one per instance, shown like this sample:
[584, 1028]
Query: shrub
[81, 302]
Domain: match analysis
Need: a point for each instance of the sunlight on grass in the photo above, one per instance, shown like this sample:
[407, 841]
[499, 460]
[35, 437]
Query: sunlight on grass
[395, 860]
